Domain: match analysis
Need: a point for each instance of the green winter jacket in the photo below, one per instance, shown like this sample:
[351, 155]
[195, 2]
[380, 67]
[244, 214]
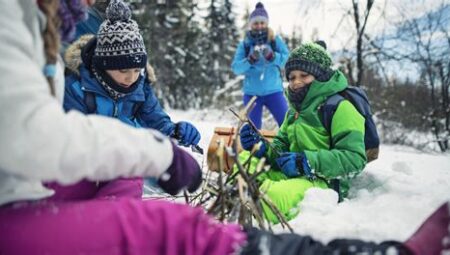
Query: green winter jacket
[339, 156]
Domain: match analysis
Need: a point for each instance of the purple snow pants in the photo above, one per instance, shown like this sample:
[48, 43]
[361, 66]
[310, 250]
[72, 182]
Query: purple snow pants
[276, 103]
[80, 219]
[121, 187]
[433, 237]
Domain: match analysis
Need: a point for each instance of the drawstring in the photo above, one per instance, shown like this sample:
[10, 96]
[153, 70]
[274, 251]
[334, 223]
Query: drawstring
[50, 70]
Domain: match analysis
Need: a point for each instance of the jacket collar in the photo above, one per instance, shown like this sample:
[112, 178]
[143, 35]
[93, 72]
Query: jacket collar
[90, 83]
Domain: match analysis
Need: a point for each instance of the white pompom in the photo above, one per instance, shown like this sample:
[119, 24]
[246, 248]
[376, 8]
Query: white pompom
[118, 11]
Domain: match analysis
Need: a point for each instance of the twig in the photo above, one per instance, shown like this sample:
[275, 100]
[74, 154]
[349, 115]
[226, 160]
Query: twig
[241, 184]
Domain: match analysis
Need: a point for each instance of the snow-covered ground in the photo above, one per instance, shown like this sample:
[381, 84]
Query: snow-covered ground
[389, 200]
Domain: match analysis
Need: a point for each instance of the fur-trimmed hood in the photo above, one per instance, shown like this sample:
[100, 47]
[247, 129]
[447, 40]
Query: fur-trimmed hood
[73, 60]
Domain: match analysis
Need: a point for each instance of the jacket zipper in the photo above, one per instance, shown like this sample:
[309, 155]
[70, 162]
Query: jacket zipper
[115, 113]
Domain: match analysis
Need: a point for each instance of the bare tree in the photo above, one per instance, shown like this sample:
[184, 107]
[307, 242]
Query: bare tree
[360, 25]
[425, 42]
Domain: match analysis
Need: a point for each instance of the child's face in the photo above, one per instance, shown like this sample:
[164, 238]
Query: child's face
[299, 79]
[259, 25]
[125, 77]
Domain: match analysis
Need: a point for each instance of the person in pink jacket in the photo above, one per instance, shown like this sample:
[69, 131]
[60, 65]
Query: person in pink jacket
[40, 143]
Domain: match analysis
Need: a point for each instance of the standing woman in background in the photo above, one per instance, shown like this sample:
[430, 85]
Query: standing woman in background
[260, 57]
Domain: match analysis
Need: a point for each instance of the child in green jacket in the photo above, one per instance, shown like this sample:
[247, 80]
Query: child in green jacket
[304, 154]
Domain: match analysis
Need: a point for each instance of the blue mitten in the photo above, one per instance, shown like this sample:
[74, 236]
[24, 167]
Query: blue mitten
[294, 164]
[186, 133]
[248, 137]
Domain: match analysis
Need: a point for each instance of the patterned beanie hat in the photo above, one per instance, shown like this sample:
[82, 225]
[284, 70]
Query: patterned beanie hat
[119, 42]
[259, 14]
[312, 58]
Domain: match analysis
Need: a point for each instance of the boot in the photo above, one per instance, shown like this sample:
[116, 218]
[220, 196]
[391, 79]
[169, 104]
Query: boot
[263, 242]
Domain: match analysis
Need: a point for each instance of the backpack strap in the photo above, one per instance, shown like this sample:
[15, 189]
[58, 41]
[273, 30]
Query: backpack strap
[328, 109]
[89, 100]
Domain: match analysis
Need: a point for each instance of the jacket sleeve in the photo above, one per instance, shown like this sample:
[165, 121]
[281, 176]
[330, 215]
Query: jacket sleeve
[152, 115]
[240, 64]
[280, 143]
[39, 141]
[73, 97]
[347, 157]
[281, 52]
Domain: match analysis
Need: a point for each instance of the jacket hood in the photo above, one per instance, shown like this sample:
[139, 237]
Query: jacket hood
[73, 58]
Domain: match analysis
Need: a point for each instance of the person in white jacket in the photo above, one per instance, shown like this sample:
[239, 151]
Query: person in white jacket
[39, 142]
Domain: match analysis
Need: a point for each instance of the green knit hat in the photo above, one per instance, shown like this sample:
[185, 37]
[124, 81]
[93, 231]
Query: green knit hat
[312, 58]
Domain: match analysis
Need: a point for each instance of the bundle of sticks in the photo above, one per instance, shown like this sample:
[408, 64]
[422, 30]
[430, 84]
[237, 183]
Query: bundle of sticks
[232, 194]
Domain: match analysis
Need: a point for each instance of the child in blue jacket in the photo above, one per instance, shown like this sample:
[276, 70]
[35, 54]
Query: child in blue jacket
[108, 76]
[260, 57]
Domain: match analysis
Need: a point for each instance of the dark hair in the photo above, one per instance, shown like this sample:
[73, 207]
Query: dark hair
[50, 36]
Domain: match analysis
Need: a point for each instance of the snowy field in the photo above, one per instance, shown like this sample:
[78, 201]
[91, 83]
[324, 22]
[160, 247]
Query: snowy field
[389, 200]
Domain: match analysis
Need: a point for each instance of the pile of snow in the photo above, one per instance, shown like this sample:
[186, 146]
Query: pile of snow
[389, 200]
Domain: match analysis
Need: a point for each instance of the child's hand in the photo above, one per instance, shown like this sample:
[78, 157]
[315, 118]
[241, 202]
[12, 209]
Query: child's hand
[248, 137]
[287, 161]
[254, 54]
[187, 134]
[183, 173]
[294, 164]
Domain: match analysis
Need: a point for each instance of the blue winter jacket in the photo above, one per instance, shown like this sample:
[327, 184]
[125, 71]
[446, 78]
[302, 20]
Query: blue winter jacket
[149, 114]
[263, 77]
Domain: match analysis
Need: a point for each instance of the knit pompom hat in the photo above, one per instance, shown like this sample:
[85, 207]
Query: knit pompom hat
[312, 58]
[119, 42]
[259, 14]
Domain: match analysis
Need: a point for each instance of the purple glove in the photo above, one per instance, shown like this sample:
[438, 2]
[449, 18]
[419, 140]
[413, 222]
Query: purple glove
[268, 53]
[184, 172]
[254, 54]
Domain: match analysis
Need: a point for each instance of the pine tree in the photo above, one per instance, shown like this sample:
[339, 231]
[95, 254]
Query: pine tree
[296, 38]
[219, 43]
[171, 34]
